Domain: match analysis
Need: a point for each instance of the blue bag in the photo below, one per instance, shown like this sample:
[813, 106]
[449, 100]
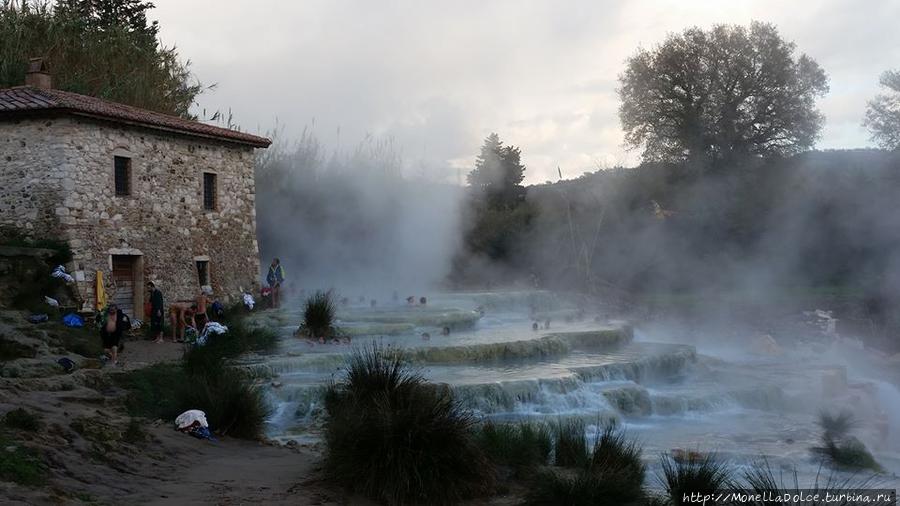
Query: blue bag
[73, 320]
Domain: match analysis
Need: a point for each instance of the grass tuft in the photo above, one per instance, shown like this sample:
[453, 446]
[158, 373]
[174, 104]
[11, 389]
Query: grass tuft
[618, 458]
[570, 444]
[612, 475]
[397, 439]
[760, 479]
[520, 446]
[839, 447]
[319, 315]
[683, 477]
[233, 405]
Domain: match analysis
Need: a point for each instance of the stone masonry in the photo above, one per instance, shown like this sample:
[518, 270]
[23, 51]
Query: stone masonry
[57, 181]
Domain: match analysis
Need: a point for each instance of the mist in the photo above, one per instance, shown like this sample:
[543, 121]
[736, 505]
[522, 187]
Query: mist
[361, 221]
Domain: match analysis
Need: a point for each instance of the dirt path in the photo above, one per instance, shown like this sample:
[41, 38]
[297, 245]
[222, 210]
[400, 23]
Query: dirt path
[91, 458]
[235, 472]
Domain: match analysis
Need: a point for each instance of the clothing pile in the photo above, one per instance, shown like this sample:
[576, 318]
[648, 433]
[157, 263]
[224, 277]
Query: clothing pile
[210, 329]
[193, 422]
[60, 272]
[67, 364]
[191, 335]
[38, 318]
[248, 301]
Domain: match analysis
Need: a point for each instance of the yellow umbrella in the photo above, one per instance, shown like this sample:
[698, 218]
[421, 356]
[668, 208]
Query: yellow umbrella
[101, 292]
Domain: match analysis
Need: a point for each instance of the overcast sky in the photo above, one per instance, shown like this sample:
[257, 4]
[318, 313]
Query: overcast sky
[438, 76]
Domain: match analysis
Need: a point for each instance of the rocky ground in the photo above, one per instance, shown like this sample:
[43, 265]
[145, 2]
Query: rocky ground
[87, 449]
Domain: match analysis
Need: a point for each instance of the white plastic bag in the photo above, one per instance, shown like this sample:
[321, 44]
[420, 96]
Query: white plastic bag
[189, 417]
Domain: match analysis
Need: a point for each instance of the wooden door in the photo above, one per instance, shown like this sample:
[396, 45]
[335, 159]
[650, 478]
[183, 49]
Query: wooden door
[123, 279]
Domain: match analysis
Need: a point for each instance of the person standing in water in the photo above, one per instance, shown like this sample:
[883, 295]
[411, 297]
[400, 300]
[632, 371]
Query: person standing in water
[275, 278]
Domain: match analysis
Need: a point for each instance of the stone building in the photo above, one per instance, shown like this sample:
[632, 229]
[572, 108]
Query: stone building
[139, 196]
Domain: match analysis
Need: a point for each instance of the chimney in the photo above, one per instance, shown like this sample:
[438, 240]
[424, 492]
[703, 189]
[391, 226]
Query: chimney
[38, 76]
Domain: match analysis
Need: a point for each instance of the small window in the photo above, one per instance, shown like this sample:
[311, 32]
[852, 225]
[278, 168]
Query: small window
[122, 176]
[209, 191]
[203, 272]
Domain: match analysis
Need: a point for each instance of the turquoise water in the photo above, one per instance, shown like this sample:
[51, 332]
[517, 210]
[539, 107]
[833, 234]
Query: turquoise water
[704, 395]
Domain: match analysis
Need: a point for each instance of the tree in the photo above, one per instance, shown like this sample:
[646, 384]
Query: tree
[721, 93]
[883, 113]
[498, 174]
[497, 216]
[101, 48]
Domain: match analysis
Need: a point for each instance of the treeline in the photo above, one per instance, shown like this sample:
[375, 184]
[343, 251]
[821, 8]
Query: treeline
[727, 199]
[818, 219]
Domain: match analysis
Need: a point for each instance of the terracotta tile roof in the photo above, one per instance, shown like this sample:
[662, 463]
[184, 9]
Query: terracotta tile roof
[27, 99]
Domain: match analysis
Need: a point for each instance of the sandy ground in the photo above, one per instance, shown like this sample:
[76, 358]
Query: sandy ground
[141, 353]
[90, 459]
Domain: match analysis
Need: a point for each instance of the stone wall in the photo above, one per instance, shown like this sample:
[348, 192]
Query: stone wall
[31, 176]
[162, 221]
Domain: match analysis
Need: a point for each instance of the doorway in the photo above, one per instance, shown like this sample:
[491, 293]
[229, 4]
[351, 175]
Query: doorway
[127, 276]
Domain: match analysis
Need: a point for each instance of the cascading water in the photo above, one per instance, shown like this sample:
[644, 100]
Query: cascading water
[741, 404]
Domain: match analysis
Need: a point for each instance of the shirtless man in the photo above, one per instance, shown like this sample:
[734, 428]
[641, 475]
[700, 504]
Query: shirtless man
[203, 301]
[116, 324]
[181, 315]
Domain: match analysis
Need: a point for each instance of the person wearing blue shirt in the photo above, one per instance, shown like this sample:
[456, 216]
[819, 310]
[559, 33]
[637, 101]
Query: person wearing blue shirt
[275, 278]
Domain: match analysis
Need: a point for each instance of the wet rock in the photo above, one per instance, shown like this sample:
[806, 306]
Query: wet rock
[766, 345]
[834, 383]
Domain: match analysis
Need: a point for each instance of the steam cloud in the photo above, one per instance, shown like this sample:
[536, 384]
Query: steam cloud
[354, 221]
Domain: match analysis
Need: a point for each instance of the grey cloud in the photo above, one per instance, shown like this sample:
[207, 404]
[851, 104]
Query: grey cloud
[439, 76]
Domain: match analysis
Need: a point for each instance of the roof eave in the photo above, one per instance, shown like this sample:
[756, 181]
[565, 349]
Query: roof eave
[255, 142]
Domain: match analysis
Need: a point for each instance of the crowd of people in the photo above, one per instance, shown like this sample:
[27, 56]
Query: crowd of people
[187, 318]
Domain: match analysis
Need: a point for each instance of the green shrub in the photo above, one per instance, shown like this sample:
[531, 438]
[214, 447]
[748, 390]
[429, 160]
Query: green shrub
[21, 419]
[233, 404]
[520, 446]
[394, 438]
[693, 475]
[21, 465]
[155, 391]
[571, 447]
[318, 315]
